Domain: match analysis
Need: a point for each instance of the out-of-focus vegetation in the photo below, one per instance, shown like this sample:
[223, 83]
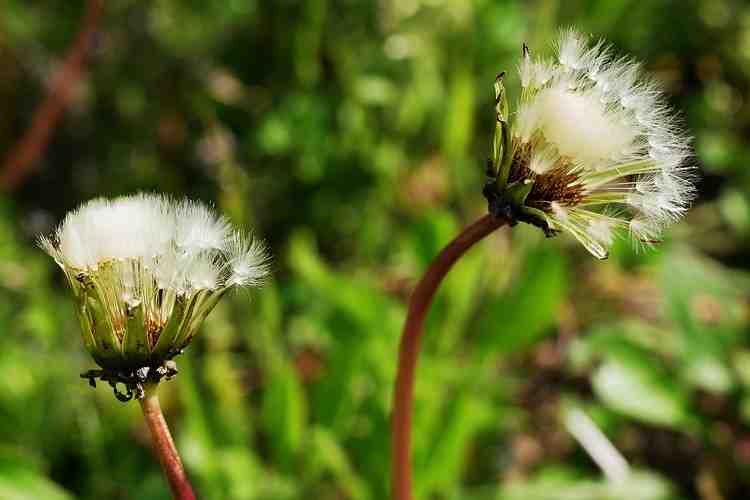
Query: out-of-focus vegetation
[352, 135]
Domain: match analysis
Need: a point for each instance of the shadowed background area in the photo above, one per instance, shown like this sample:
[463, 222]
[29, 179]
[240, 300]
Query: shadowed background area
[352, 136]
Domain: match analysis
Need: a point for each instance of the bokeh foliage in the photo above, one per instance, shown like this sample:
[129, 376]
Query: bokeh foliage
[352, 135]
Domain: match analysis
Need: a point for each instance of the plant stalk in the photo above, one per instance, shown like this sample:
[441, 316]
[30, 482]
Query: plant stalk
[164, 446]
[419, 304]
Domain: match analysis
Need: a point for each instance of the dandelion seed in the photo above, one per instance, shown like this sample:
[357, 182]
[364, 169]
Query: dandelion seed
[145, 271]
[592, 149]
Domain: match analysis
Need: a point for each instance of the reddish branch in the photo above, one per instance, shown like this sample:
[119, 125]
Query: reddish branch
[419, 304]
[20, 160]
[164, 446]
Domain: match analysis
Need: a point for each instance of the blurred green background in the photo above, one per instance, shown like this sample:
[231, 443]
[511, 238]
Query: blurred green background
[352, 136]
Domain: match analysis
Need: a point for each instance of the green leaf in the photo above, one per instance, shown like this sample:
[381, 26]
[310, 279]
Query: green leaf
[285, 411]
[20, 480]
[459, 118]
[441, 464]
[566, 485]
[708, 304]
[640, 390]
[517, 319]
[430, 235]
[327, 455]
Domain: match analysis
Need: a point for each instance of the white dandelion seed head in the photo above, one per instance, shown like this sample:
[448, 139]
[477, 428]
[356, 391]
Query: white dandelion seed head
[543, 160]
[527, 122]
[601, 231]
[249, 262]
[170, 271]
[199, 228]
[571, 49]
[184, 244]
[138, 226]
[149, 264]
[580, 126]
[597, 138]
[203, 272]
[534, 73]
[560, 213]
[644, 231]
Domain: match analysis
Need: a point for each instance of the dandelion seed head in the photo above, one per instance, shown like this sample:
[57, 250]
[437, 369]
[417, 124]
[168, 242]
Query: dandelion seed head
[249, 261]
[580, 126]
[604, 151]
[199, 228]
[534, 73]
[140, 263]
[571, 50]
[543, 160]
[601, 230]
[138, 226]
[643, 232]
[203, 273]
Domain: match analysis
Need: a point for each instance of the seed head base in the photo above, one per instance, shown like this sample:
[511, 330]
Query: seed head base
[132, 381]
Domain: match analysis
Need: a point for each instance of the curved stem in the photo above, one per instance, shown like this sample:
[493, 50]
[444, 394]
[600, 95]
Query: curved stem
[164, 446]
[419, 304]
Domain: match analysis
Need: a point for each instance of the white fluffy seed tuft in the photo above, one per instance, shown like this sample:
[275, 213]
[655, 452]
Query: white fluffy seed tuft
[181, 245]
[581, 127]
[199, 228]
[595, 117]
[249, 261]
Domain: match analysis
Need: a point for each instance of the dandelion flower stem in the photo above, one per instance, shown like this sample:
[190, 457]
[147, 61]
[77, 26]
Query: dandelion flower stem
[419, 305]
[164, 446]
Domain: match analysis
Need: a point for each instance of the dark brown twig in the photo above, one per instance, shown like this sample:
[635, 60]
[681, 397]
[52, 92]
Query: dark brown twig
[21, 159]
[419, 304]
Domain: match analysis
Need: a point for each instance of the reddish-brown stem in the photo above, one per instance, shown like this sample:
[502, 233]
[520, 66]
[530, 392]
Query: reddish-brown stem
[165, 448]
[21, 158]
[419, 304]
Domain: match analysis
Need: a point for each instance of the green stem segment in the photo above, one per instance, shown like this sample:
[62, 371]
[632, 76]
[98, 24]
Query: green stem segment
[164, 446]
[419, 305]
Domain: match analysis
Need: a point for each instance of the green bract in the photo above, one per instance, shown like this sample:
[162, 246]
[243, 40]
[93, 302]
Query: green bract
[125, 335]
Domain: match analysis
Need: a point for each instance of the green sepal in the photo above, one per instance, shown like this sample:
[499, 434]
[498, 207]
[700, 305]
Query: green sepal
[518, 192]
[199, 315]
[87, 327]
[169, 335]
[206, 302]
[538, 218]
[496, 159]
[501, 142]
[82, 285]
[107, 350]
[184, 329]
[535, 212]
[501, 100]
[135, 347]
